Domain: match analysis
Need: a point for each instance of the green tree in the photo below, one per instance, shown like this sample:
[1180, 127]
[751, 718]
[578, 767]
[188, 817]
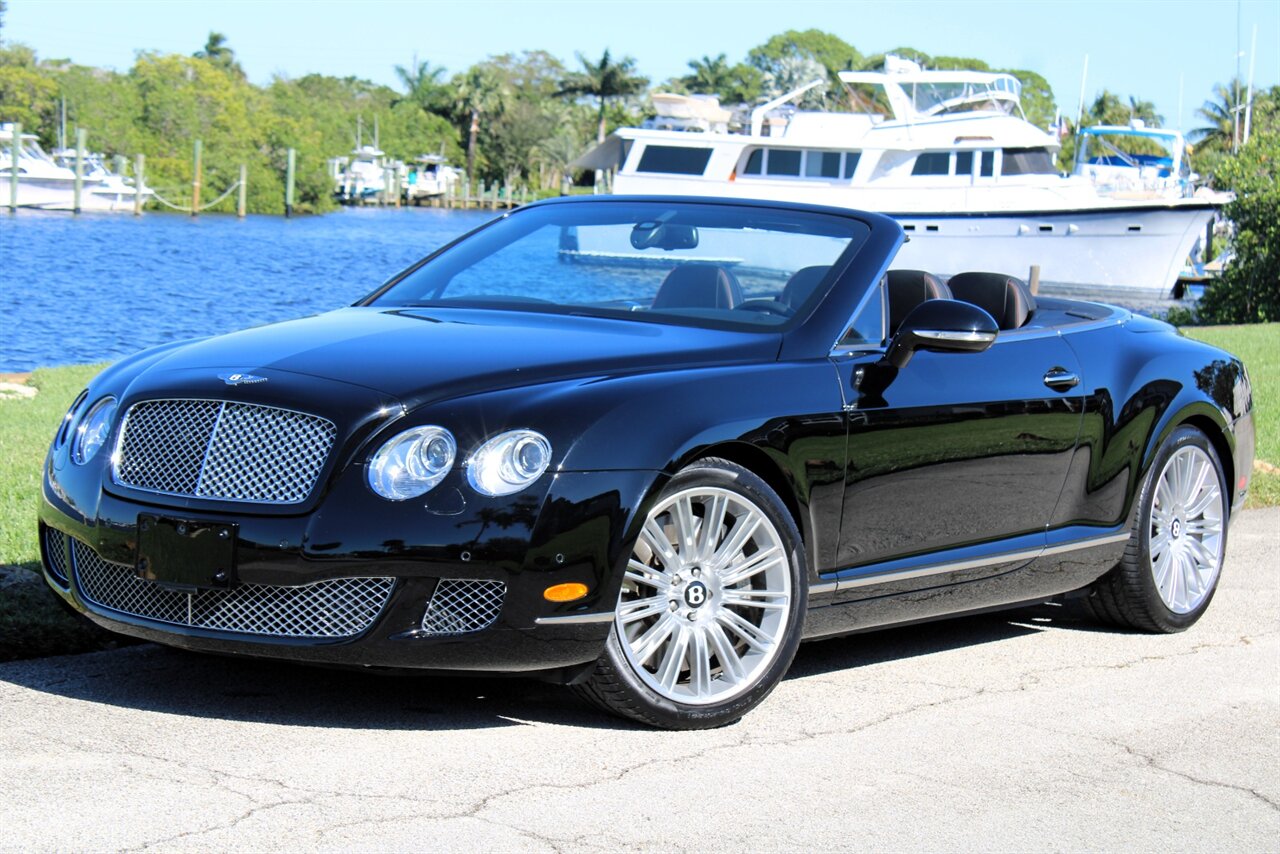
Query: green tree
[604, 81]
[27, 94]
[423, 85]
[1249, 290]
[830, 51]
[217, 51]
[715, 76]
[478, 92]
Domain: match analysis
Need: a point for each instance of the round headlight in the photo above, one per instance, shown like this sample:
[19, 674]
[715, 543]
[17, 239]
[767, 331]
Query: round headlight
[93, 430]
[60, 438]
[509, 462]
[412, 462]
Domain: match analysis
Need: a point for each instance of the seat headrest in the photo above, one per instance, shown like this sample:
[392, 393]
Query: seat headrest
[802, 284]
[698, 286]
[907, 289]
[1005, 298]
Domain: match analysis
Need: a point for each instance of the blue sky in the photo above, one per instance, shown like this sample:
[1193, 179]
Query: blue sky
[1140, 47]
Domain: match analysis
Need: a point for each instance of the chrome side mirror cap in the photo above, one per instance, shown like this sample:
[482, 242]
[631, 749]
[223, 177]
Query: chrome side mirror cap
[943, 326]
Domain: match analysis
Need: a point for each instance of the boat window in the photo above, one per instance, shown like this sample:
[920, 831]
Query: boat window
[674, 159]
[822, 164]
[964, 162]
[784, 161]
[987, 167]
[797, 163]
[932, 163]
[1028, 161]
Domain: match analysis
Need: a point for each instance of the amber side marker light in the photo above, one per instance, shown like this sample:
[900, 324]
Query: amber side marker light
[569, 592]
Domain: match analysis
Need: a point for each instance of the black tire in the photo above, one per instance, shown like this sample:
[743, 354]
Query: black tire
[1128, 596]
[615, 686]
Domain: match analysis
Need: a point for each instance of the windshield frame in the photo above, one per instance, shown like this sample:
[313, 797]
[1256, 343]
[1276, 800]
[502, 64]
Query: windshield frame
[858, 241]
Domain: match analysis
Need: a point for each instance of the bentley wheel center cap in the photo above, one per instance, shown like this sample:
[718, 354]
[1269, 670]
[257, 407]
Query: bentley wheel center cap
[1175, 530]
[696, 594]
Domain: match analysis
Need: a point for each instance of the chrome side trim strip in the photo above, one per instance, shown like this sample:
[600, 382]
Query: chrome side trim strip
[825, 587]
[939, 568]
[1076, 545]
[974, 563]
[574, 619]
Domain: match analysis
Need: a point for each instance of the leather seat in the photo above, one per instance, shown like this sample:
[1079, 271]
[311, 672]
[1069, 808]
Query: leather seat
[1005, 298]
[802, 284]
[907, 289]
[698, 286]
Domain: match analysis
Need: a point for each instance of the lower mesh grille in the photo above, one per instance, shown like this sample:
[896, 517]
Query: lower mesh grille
[55, 549]
[337, 608]
[462, 605]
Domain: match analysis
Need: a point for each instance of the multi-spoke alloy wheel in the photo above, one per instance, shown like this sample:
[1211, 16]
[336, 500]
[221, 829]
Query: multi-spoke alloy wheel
[1170, 568]
[704, 600]
[1186, 530]
[708, 613]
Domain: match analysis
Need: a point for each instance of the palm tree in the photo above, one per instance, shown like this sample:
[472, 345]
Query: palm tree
[1222, 113]
[422, 84]
[218, 52]
[710, 76]
[477, 93]
[603, 81]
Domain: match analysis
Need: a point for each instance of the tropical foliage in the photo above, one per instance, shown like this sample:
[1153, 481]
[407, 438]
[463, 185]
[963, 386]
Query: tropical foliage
[1249, 290]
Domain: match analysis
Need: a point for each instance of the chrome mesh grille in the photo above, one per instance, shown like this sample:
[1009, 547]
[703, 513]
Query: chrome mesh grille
[222, 450]
[462, 605]
[337, 608]
[55, 548]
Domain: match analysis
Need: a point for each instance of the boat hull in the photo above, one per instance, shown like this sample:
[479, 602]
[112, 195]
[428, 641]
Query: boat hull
[54, 194]
[1135, 251]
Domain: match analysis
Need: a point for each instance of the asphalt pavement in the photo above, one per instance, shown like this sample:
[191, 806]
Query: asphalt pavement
[1029, 730]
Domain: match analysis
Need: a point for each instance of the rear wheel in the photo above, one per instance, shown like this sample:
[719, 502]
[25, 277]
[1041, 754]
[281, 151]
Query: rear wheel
[1170, 569]
[712, 599]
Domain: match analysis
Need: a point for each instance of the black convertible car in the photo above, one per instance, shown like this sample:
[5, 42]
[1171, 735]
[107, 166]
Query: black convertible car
[644, 447]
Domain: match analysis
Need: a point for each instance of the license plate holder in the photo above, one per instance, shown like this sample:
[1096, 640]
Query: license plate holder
[186, 554]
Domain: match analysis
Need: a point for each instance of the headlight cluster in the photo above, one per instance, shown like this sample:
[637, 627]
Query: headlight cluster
[93, 430]
[411, 463]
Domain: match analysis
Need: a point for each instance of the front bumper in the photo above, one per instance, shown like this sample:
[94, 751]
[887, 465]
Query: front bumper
[574, 529]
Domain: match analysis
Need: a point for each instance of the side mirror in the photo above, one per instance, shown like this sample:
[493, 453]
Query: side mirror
[943, 326]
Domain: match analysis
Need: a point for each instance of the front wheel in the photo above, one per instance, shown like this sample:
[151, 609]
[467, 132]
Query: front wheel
[711, 606]
[1170, 570]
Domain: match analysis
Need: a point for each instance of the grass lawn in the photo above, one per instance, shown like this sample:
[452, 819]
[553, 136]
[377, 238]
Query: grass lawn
[1258, 346]
[32, 622]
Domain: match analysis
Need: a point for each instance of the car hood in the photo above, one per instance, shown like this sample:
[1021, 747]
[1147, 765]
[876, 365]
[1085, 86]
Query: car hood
[417, 355]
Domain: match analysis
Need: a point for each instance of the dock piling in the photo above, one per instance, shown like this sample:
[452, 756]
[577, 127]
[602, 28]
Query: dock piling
[139, 162]
[195, 180]
[81, 136]
[15, 148]
[1033, 279]
[243, 191]
[290, 168]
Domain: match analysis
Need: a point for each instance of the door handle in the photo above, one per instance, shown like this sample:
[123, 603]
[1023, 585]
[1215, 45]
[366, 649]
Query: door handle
[1060, 379]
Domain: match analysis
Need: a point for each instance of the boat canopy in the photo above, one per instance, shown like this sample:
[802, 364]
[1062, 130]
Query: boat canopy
[914, 93]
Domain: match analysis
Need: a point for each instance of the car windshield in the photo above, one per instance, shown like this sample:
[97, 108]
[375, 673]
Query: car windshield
[718, 265]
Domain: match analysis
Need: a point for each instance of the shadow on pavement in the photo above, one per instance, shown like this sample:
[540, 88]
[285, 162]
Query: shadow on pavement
[169, 681]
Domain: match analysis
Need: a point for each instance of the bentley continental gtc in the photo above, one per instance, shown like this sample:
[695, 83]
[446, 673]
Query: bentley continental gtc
[644, 447]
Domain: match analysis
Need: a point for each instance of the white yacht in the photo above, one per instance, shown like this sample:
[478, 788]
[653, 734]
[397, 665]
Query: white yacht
[1134, 161]
[363, 176]
[45, 183]
[950, 155]
[428, 177]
